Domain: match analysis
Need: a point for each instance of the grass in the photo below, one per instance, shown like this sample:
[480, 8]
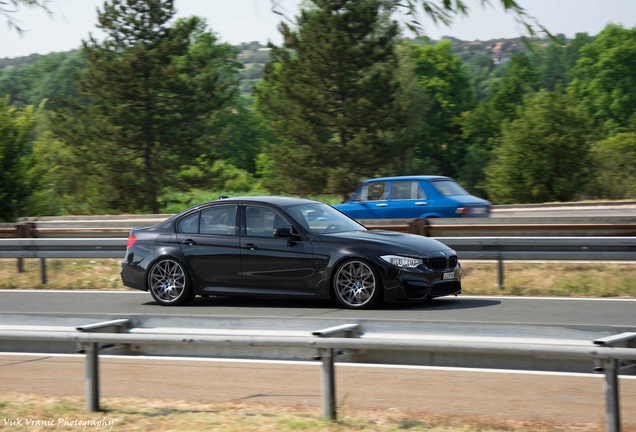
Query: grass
[562, 279]
[129, 414]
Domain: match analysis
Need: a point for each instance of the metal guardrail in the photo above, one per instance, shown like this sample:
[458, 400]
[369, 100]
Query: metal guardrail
[120, 226]
[611, 354]
[481, 248]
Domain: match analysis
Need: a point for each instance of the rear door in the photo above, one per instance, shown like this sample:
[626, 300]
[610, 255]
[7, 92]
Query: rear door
[210, 241]
[407, 200]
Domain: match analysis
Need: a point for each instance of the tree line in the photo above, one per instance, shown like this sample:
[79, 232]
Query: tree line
[151, 119]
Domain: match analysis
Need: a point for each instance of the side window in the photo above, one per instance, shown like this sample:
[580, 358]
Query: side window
[406, 190]
[218, 220]
[401, 190]
[189, 224]
[261, 221]
[419, 192]
[376, 191]
[360, 194]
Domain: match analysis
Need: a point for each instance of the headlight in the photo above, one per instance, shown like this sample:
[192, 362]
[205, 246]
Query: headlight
[400, 261]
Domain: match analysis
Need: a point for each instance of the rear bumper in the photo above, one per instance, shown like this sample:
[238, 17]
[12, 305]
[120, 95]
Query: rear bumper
[133, 271]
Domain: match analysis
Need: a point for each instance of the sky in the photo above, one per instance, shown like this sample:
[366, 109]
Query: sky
[236, 21]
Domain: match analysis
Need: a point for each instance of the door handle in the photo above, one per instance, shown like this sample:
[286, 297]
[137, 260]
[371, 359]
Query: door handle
[381, 205]
[188, 242]
[249, 246]
[421, 203]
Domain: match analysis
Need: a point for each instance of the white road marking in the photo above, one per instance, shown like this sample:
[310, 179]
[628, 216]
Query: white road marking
[466, 296]
[463, 296]
[74, 291]
[317, 363]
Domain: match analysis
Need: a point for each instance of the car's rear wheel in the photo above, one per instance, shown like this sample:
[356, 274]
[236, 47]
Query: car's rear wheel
[357, 285]
[169, 284]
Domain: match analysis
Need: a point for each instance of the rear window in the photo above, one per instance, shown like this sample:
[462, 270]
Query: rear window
[189, 224]
[449, 188]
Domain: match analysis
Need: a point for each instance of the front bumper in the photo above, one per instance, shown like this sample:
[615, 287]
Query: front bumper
[419, 284]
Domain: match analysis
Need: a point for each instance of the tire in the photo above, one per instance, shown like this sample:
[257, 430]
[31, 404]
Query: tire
[357, 285]
[169, 284]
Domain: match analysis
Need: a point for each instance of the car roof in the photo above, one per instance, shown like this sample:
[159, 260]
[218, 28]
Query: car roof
[415, 177]
[281, 201]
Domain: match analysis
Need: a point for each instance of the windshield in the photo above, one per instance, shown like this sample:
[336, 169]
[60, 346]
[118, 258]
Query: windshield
[449, 188]
[319, 218]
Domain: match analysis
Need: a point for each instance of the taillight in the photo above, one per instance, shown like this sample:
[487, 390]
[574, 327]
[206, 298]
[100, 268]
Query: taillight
[131, 241]
[461, 210]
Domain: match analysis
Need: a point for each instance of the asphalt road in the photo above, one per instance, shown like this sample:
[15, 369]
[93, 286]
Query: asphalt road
[461, 309]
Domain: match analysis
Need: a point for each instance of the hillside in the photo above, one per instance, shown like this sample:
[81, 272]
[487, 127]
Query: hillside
[253, 55]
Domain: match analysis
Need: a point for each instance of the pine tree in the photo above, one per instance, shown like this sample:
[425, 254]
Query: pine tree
[329, 95]
[152, 88]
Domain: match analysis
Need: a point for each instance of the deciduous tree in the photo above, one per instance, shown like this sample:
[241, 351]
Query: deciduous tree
[605, 78]
[543, 154]
[16, 176]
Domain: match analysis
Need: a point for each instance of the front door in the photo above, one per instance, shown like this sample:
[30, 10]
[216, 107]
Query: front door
[274, 265]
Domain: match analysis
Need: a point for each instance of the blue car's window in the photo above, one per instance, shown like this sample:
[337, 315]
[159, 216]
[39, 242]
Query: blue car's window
[262, 221]
[357, 195]
[371, 192]
[189, 224]
[376, 191]
[218, 220]
[449, 188]
[321, 218]
[406, 190]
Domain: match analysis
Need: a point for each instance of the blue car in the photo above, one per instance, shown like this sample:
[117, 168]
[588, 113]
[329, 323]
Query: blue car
[413, 197]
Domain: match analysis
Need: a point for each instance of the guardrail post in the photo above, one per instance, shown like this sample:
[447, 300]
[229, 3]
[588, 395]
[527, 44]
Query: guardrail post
[500, 273]
[419, 226]
[611, 367]
[43, 271]
[91, 349]
[19, 233]
[328, 384]
[328, 372]
[23, 230]
[92, 377]
[612, 407]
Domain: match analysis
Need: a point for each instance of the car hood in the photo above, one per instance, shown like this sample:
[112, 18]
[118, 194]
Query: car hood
[390, 242]
[469, 200]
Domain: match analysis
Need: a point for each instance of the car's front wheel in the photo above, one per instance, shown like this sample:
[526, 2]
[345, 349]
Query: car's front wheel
[357, 285]
[169, 284]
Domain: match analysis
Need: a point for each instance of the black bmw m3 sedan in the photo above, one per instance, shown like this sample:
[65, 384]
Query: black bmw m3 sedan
[283, 247]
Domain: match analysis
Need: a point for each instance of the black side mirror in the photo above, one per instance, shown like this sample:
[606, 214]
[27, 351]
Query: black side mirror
[285, 232]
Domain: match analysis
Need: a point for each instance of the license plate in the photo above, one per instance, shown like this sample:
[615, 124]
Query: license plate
[479, 210]
[449, 275]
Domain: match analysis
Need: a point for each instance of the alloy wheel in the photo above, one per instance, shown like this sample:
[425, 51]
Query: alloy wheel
[355, 284]
[167, 281]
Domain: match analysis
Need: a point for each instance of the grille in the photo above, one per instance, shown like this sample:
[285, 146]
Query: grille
[437, 263]
[413, 291]
[452, 262]
[445, 288]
